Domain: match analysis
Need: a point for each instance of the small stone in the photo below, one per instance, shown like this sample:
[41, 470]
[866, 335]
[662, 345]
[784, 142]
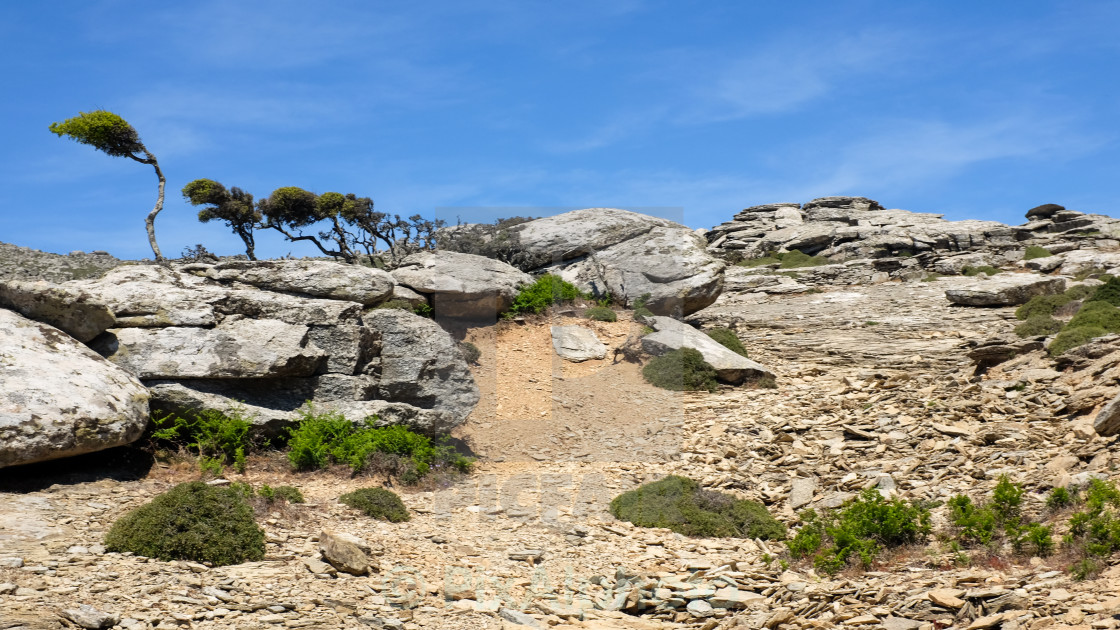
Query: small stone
[699, 608]
[519, 618]
[90, 618]
[946, 598]
[345, 552]
[7, 588]
[802, 492]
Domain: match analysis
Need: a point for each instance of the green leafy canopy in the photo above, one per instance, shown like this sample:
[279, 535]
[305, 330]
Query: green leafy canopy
[103, 130]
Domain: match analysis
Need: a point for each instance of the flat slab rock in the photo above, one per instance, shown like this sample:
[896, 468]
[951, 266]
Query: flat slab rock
[59, 398]
[462, 285]
[1009, 289]
[577, 344]
[672, 334]
[317, 278]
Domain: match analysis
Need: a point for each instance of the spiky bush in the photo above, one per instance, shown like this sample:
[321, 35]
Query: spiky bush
[683, 369]
[679, 504]
[192, 521]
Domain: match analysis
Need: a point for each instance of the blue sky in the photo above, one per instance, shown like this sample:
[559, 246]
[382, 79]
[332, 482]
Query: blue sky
[691, 110]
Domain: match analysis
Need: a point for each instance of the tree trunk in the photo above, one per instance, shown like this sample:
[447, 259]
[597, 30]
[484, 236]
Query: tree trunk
[150, 222]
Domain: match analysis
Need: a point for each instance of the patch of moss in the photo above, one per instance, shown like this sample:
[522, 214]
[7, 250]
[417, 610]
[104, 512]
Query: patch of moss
[679, 504]
[1034, 251]
[601, 314]
[192, 521]
[980, 269]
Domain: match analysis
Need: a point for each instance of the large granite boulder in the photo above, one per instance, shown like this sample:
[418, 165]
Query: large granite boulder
[580, 232]
[59, 398]
[69, 309]
[420, 364]
[670, 264]
[315, 278]
[1008, 289]
[243, 348]
[577, 344]
[671, 334]
[462, 285]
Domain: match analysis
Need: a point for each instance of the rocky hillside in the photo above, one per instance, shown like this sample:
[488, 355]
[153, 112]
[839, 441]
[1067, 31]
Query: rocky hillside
[891, 339]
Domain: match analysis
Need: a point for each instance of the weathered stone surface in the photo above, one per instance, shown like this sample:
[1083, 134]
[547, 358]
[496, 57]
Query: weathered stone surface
[577, 344]
[245, 348]
[672, 334]
[671, 264]
[91, 618]
[573, 234]
[802, 492]
[345, 552]
[349, 347]
[272, 405]
[69, 309]
[316, 278]
[1005, 290]
[462, 285]
[59, 398]
[420, 364]
[1107, 422]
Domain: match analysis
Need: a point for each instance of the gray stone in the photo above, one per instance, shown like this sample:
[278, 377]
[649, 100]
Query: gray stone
[672, 334]
[519, 618]
[580, 232]
[59, 398]
[1005, 290]
[577, 344]
[345, 552]
[71, 310]
[155, 296]
[245, 348]
[316, 278]
[1107, 422]
[462, 285]
[802, 492]
[90, 618]
[420, 364]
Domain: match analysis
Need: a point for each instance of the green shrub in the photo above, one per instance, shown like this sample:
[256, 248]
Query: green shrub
[377, 503]
[640, 310]
[981, 525]
[1108, 292]
[796, 259]
[318, 441]
[1094, 532]
[969, 270]
[601, 314]
[1035, 538]
[1071, 338]
[728, 339]
[1034, 251]
[218, 439]
[1007, 500]
[543, 293]
[978, 525]
[1037, 326]
[683, 369]
[859, 530]
[192, 521]
[1060, 498]
[1042, 305]
[287, 494]
[471, 353]
[1080, 292]
[1097, 314]
[678, 503]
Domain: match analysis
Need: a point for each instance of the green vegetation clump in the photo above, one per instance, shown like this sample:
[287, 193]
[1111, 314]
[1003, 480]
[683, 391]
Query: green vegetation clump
[377, 503]
[1071, 338]
[1080, 292]
[970, 270]
[728, 339]
[192, 521]
[218, 439]
[471, 353]
[859, 530]
[1037, 326]
[1060, 497]
[319, 441]
[1094, 532]
[601, 314]
[287, 494]
[999, 519]
[794, 259]
[1034, 251]
[641, 311]
[1043, 305]
[546, 291]
[679, 370]
[1108, 292]
[679, 504]
[1095, 313]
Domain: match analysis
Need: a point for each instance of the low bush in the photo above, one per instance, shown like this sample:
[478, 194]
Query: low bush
[759, 262]
[1071, 338]
[679, 504]
[1060, 498]
[641, 311]
[728, 339]
[999, 519]
[546, 291]
[1038, 326]
[471, 353]
[1108, 292]
[601, 314]
[1097, 314]
[1034, 251]
[318, 441]
[1094, 532]
[859, 530]
[1041, 305]
[683, 369]
[1080, 292]
[218, 439]
[377, 503]
[192, 521]
[797, 259]
[287, 494]
[976, 270]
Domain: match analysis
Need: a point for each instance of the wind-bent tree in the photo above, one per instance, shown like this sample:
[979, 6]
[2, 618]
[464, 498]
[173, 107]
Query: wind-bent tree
[108, 132]
[234, 207]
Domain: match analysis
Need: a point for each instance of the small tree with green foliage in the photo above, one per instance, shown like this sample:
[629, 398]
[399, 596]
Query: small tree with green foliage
[234, 207]
[111, 134]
